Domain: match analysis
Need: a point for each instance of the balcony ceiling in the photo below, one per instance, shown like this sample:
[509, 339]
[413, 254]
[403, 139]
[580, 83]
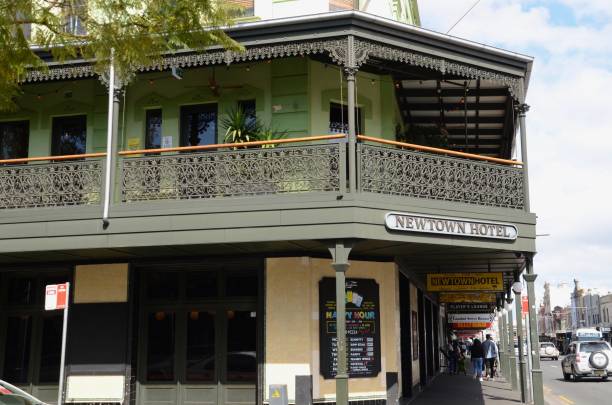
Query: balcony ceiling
[475, 115]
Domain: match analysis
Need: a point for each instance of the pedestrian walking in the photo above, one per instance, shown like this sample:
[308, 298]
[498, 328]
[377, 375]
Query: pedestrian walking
[453, 356]
[477, 354]
[490, 353]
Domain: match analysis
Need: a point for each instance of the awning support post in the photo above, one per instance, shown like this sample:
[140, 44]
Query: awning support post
[351, 74]
[522, 112]
[519, 335]
[511, 355]
[340, 252]
[536, 371]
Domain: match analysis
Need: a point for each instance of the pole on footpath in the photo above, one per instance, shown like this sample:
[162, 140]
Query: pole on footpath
[60, 391]
[536, 371]
[511, 353]
[57, 296]
[517, 287]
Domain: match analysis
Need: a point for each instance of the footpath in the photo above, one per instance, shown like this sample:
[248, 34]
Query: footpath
[465, 390]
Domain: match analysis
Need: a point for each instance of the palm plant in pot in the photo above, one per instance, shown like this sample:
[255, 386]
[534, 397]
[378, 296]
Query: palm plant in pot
[241, 126]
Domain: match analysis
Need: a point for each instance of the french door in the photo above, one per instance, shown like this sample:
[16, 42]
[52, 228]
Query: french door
[202, 350]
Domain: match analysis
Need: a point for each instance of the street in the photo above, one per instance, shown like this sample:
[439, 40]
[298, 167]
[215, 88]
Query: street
[585, 392]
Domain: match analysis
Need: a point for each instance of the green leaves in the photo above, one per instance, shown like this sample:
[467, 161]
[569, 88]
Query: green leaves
[139, 31]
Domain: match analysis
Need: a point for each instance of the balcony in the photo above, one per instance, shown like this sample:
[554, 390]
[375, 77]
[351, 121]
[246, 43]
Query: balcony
[250, 170]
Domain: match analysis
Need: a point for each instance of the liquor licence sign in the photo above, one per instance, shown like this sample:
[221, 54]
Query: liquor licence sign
[406, 222]
[465, 282]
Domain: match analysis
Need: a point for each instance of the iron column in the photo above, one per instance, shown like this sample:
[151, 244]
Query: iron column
[351, 72]
[511, 355]
[340, 253]
[536, 371]
[522, 110]
[519, 337]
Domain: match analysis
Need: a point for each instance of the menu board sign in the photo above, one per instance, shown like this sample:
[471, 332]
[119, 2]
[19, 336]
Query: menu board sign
[362, 327]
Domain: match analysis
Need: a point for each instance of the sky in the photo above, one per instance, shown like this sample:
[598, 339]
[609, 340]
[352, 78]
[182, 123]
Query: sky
[569, 125]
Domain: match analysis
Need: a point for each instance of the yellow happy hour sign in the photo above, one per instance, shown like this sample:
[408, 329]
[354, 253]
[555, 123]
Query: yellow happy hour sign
[465, 282]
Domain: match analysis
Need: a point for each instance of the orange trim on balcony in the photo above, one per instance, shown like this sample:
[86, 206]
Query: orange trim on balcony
[232, 145]
[439, 151]
[52, 158]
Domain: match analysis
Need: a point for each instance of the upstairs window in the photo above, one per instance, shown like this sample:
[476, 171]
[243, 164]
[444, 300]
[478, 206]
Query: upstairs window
[14, 138]
[338, 119]
[339, 5]
[249, 108]
[246, 7]
[198, 124]
[73, 17]
[69, 135]
[153, 129]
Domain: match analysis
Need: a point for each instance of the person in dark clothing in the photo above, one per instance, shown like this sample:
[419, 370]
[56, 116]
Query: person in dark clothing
[477, 353]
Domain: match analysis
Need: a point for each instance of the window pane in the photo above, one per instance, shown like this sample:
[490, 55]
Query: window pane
[69, 135]
[160, 347]
[198, 124]
[241, 285]
[51, 349]
[338, 119]
[241, 346]
[21, 291]
[162, 286]
[17, 350]
[200, 346]
[153, 129]
[250, 110]
[14, 138]
[246, 7]
[202, 285]
[339, 5]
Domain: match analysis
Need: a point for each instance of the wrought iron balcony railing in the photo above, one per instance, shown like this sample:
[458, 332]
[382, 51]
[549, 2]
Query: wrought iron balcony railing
[233, 173]
[301, 165]
[54, 184]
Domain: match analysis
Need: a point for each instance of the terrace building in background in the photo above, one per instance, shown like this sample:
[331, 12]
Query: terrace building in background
[203, 272]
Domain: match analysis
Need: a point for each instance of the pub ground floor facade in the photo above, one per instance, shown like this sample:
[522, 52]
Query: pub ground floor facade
[218, 330]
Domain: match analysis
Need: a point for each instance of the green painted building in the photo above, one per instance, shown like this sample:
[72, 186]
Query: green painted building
[200, 271]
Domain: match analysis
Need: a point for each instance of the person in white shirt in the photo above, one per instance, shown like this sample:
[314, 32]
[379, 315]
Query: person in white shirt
[490, 352]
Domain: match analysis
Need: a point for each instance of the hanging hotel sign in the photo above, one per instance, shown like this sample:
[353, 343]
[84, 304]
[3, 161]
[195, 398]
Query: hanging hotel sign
[362, 327]
[466, 297]
[470, 308]
[470, 318]
[465, 282]
[406, 222]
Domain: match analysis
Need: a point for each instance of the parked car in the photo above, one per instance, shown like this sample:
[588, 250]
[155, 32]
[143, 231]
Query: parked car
[587, 359]
[11, 395]
[548, 351]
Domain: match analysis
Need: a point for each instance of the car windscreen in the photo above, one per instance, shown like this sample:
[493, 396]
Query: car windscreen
[593, 347]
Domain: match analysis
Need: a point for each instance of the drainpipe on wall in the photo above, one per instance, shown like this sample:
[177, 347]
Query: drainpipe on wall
[111, 142]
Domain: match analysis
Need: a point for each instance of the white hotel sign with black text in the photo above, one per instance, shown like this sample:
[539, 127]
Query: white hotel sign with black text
[405, 222]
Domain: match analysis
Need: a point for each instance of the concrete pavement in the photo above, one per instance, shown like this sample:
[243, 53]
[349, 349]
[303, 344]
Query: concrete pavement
[464, 390]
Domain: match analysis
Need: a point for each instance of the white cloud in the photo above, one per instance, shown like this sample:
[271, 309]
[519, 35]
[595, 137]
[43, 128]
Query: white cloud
[569, 126]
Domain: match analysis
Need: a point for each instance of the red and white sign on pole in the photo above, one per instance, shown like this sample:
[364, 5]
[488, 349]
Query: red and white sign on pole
[56, 296]
[524, 305]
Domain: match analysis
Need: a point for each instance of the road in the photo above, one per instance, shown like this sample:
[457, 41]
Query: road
[585, 392]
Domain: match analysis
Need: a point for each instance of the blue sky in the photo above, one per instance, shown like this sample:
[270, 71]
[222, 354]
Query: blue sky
[569, 125]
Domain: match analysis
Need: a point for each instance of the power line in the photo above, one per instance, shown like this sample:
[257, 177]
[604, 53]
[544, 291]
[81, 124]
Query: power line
[463, 16]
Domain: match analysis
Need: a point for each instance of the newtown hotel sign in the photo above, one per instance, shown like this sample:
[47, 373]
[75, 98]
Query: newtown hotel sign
[407, 222]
